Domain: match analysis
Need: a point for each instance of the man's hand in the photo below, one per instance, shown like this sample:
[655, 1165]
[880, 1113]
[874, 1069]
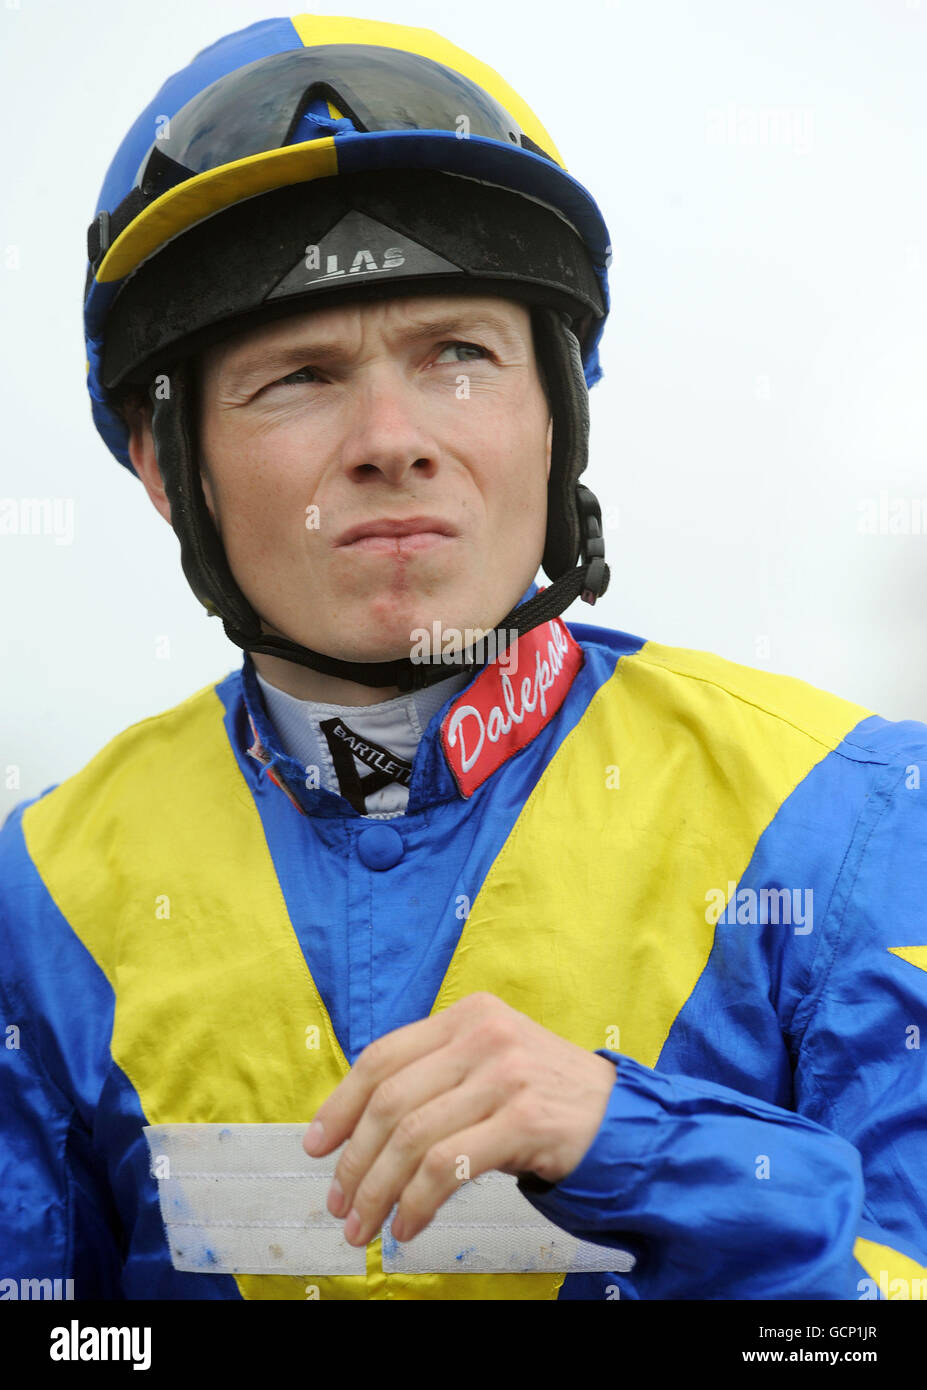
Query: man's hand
[479, 1086]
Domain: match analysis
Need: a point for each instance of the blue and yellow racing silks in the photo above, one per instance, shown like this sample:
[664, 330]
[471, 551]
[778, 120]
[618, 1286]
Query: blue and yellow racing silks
[713, 876]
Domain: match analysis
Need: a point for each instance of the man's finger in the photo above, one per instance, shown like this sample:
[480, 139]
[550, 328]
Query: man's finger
[436, 1128]
[338, 1115]
[449, 1163]
[410, 1097]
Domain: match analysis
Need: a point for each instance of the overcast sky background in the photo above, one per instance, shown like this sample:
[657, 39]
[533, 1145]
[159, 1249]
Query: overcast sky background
[762, 168]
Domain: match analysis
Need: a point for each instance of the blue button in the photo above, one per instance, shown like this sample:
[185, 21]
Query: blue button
[380, 847]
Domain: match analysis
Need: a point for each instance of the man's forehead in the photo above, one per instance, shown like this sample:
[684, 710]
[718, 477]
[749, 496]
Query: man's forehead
[402, 313]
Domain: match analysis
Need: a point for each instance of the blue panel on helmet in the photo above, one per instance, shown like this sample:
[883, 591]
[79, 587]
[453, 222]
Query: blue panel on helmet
[259, 40]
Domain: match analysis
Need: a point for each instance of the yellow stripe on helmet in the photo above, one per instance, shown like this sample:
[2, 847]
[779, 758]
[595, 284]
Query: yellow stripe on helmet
[209, 192]
[314, 29]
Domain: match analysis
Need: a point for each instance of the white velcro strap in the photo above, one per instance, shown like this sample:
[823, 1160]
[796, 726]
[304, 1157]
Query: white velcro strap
[248, 1199]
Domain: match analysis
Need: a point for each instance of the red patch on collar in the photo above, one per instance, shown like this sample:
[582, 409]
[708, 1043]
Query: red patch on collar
[504, 709]
[259, 752]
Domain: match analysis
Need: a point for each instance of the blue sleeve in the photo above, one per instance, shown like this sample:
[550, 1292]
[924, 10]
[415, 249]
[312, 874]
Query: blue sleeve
[723, 1196]
[57, 1215]
[717, 1195]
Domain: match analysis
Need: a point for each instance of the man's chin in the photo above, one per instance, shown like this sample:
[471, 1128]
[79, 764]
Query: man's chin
[348, 645]
[394, 629]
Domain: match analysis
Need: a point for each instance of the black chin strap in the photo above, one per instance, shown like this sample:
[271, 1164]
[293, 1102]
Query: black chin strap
[589, 579]
[577, 525]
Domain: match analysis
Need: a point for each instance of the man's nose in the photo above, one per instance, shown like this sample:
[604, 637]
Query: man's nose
[388, 434]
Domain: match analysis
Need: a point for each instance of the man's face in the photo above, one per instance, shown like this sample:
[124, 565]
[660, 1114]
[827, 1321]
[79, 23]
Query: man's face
[423, 409]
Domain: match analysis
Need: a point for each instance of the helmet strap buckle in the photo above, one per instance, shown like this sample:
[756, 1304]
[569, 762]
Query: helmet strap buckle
[593, 545]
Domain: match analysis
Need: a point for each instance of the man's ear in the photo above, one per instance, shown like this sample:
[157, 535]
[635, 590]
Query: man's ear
[142, 454]
[144, 459]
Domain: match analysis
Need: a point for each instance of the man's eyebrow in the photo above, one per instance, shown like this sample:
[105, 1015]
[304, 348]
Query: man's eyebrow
[327, 348]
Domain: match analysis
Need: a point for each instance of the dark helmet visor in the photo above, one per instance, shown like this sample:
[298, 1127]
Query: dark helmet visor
[258, 107]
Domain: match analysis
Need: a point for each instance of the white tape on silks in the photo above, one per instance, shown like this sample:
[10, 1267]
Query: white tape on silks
[248, 1199]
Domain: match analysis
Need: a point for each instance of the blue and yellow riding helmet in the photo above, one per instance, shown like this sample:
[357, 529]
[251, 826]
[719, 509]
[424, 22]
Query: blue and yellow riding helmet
[314, 161]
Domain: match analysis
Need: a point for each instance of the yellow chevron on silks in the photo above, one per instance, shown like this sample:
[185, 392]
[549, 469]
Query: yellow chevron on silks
[914, 955]
[155, 854]
[591, 917]
[706, 751]
[891, 1274]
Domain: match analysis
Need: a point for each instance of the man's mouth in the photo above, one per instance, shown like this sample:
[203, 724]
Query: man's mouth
[397, 535]
[417, 540]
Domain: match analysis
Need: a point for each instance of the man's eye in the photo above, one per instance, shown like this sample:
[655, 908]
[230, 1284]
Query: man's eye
[295, 378]
[302, 374]
[469, 347]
